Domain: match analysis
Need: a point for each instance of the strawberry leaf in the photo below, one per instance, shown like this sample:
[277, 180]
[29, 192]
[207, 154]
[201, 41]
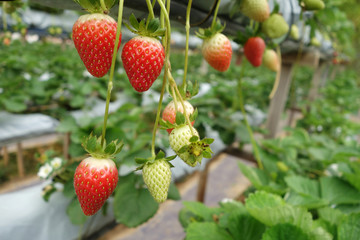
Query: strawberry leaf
[160, 155]
[208, 140]
[133, 21]
[183, 149]
[141, 160]
[170, 158]
[206, 154]
[194, 115]
[180, 118]
[153, 25]
[194, 139]
[110, 149]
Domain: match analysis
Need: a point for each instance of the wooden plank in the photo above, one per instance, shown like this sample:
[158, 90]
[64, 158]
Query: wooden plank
[20, 160]
[310, 58]
[277, 103]
[316, 81]
[5, 155]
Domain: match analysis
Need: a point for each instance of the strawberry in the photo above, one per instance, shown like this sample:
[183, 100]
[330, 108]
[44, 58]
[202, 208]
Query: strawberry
[157, 177]
[96, 177]
[254, 49]
[94, 39]
[294, 32]
[94, 182]
[169, 113]
[143, 58]
[257, 10]
[275, 26]
[217, 51]
[313, 5]
[179, 138]
[271, 60]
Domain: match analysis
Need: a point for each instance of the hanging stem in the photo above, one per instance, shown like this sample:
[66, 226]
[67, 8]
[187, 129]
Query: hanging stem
[215, 14]
[110, 84]
[187, 28]
[103, 6]
[4, 16]
[242, 108]
[163, 15]
[151, 11]
[277, 79]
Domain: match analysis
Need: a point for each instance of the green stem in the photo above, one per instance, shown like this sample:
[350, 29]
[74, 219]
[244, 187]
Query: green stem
[4, 16]
[151, 11]
[110, 84]
[187, 28]
[163, 14]
[242, 108]
[215, 14]
[103, 6]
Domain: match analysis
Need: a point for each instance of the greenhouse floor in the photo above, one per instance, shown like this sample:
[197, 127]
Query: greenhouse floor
[224, 181]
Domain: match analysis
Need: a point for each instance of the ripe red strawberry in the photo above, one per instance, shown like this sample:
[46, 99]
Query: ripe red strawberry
[143, 59]
[257, 10]
[94, 38]
[169, 113]
[254, 49]
[271, 60]
[217, 51]
[94, 182]
[157, 177]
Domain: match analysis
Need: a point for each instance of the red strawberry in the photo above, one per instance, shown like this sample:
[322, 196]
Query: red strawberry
[94, 182]
[254, 49]
[217, 51]
[143, 58]
[169, 113]
[94, 38]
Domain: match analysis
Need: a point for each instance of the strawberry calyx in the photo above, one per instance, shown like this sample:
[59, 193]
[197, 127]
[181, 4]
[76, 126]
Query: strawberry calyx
[197, 149]
[206, 33]
[150, 28]
[96, 6]
[180, 120]
[99, 150]
[151, 160]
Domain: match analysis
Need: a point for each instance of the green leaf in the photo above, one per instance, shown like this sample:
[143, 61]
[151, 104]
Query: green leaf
[141, 160]
[319, 153]
[153, 25]
[193, 139]
[208, 140]
[14, 105]
[320, 233]
[331, 215]
[160, 155]
[68, 124]
[201, 210]
[110, 148]
[349, 229]
[91, 144]
[75, 213]
[207, 230]
[180, 118]
[303, 185]
[69, 190]
[173, 192]
[133, 205]
[271, 209]
[206, 154]
[133, 21]
[285, 231]
[306, 201]
[242, 226]
[183, 149]
[337, 191]
[48, 193]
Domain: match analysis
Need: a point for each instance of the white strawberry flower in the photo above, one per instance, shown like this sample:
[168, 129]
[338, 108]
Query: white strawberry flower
[56, 163]
[45, 171]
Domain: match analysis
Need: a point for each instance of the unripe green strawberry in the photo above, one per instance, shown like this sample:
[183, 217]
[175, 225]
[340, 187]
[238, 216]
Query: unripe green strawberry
[257, 10]
[94, 39]
[270, 60]
[169, 113]
[179, 138]
[94, 181]
[275, 26]
[315, 42]
[294, 32]
[217, 51]
[313, 5]
[157, 177]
